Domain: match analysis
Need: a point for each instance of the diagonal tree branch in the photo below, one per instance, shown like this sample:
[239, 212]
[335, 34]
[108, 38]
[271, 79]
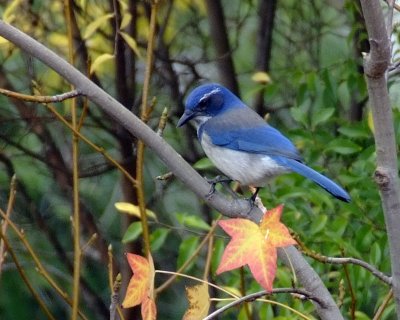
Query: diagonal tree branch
[376, 64]
[192, 179]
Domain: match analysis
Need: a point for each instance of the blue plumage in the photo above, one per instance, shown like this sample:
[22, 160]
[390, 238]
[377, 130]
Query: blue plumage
[241, 144]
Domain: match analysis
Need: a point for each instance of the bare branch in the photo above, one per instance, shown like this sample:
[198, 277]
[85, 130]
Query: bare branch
[41, 99]
[303, 294]
[382, 307]
[115, 297]
[4, 224]
[344, 260]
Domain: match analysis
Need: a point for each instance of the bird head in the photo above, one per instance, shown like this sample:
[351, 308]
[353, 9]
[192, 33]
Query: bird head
[207, 101]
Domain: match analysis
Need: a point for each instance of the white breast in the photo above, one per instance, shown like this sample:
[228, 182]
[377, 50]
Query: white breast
[246, 168]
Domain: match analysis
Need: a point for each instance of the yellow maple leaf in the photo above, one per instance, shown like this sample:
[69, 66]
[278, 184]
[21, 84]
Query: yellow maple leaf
[199, 302]
[141, 286]
[255, 245]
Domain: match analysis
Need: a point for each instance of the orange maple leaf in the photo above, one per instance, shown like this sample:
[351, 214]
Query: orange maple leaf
[141, 286]
[255, 245]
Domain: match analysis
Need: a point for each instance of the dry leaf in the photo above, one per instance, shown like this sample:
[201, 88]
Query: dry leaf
[199, 302]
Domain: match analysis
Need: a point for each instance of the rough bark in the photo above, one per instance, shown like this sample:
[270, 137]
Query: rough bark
[376, 64]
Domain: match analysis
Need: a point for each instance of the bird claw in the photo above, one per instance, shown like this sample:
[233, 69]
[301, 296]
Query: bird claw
[213, 182]
[252, 201]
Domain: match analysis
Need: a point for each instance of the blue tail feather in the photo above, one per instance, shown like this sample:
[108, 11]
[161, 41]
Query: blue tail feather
[324, 182]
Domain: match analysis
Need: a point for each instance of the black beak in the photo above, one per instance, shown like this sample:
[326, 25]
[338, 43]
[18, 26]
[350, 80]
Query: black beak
[187, 116]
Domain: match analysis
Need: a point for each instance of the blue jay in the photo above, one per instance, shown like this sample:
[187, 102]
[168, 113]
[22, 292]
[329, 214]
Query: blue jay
[241, 144]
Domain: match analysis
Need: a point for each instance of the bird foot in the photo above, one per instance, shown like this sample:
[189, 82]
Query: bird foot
[213, 182]
[254, 201]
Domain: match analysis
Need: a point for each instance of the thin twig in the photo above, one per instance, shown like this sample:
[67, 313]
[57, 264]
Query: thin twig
[254, 296]
[189, 260]
[342, 293]
[92, 239]
[76, 225]
[345, 260]
[112, 286]
[395, 5]
[25, 278]
[209, 256]
[165, 176]
[380, 275]
[41, 269]
[41, 99]
[352, 294]
[178, 274]
[243, 292]
[10, 205]
[117, 19]
[114, 306]
[144, 112]
[383, 306]
[163, 122]
[234, 296]
[92, 145]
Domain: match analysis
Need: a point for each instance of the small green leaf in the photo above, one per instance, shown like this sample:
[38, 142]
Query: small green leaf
[355, 131]
[124, 5]
[99, 61]
[371, 121]
[318, 223]
[133, 232]
[158, 238]
[330, 87]
[311, 80]
[96, 24]
[376, 254]
[186, 249]
[192, 221]
[11, 11]
[219, 247]
[361, 315]
[131, 43]
[321, 116]
[203, 164]
[302, 94]
[126, 19]
[343, 146]
[300, 113]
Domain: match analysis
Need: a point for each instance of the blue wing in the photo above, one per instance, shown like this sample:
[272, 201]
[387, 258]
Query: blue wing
[244, 130]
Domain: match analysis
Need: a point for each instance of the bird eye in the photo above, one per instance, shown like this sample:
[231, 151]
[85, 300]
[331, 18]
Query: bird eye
[202, 104]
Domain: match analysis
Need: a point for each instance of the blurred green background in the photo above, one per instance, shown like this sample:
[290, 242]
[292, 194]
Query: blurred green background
[298, 62]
